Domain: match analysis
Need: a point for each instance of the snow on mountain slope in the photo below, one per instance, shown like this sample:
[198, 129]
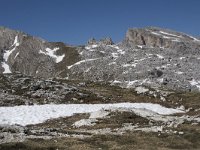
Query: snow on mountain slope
[7, 53]
[6, 68]
[166, 35]
[51, 53]
[82, 61]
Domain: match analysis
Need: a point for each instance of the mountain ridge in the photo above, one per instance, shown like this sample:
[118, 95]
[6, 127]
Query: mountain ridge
[151, 56]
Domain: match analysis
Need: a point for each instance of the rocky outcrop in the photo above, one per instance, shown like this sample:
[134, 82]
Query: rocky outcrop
[19, 89]
[92, 41]
[104, 41]
[162, 38]
[151, 56]
[107, 41]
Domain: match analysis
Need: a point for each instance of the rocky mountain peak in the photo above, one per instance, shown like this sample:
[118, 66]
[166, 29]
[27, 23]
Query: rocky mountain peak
[103, 41]
[92, 41]
[107, 41]
[153, 37]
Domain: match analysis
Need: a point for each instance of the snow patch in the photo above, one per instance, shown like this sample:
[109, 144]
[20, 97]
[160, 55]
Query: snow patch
[195, 83]
[115, 55]
[81, 53]
[155, 33]
[182, 58]
[165, 66]
[141, 90]
[176, 40]
[116, 81]
[130, 65]
[7, 54]
[166, 35]
[131, 83]
[195, 39]
[112, 63]
[82, 61]
[159, 56]
[88, 69]
[16, 43]
[139, 82]
[150, 129]
[84, 122]
[114, 46]
[121, 51]
[91, 46]
[170, 34]
[99, 114]
[25, 115]
[127, 71]
[140, 46]
[160, 80]
[51, 53]
[179, 72]
[92, 119]
[16, 55]
[6, 68]
[149, 54]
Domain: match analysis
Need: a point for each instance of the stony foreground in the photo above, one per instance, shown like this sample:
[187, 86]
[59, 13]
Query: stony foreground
[124, 118]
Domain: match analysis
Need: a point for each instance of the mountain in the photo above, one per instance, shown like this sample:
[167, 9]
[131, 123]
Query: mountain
[102, 95]
[152, 57]
[33, 56]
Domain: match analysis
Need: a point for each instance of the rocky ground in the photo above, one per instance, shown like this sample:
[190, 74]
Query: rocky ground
[105, 129]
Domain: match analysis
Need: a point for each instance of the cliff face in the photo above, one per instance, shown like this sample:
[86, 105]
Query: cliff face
[150, 56]
[162, 38]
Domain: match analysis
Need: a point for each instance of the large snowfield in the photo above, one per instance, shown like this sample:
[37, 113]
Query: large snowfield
[26, 115]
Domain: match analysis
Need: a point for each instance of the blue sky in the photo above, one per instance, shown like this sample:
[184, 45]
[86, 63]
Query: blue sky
[75, 21]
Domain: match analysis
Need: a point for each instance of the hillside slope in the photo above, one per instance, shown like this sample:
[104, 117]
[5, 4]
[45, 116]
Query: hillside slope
[153, 57]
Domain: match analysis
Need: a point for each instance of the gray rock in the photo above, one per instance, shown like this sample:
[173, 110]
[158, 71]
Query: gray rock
[106, 41]
[18, 89]
[155, 73]
[92, 41]
[161, 38]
